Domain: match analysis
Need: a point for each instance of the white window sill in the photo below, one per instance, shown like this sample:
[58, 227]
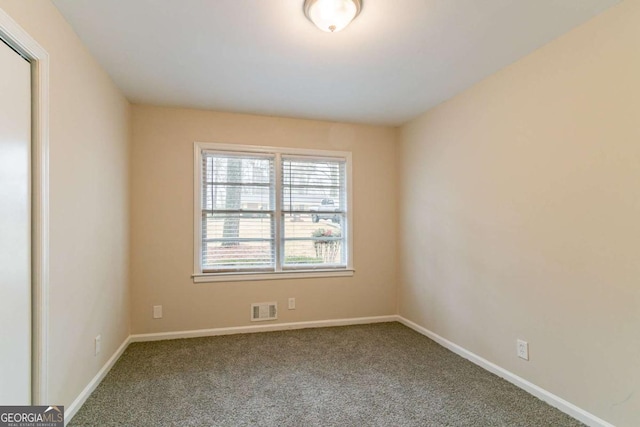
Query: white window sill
[297, 274]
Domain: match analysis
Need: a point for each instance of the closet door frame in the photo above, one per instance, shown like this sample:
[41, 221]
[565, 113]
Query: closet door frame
[16, 37]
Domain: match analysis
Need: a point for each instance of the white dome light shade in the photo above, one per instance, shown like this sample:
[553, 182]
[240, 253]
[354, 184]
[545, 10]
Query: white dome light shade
[331, 15]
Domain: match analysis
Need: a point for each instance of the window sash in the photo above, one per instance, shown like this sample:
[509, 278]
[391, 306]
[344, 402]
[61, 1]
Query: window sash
[235, 252]
[314, 188]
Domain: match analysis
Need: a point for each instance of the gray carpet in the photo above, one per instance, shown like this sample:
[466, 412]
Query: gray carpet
[370, 375]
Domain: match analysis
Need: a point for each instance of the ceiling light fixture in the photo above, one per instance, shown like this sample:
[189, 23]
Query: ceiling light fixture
[332, 15]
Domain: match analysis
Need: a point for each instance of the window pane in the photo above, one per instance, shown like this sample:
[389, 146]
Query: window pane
[308, 244]
[237, 181]
[235, 197]
[237, 241]
[313, 185]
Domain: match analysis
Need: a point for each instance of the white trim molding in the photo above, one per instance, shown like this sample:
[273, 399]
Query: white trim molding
[95, 382]
[542, 394]
[294, 274]
[24, 44]
[279, 271]
[261, 328]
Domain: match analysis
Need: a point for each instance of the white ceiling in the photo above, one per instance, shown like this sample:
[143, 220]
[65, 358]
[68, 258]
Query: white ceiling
[396, 60]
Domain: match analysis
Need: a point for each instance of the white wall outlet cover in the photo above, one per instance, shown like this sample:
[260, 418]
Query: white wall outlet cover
[523, 349]
[292, 303]
[98, 344]
[157, 312]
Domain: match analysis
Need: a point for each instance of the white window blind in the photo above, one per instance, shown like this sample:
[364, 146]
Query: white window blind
[238, 212]
[270, 210]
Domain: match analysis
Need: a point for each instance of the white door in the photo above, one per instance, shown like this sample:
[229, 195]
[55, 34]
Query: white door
[15, 228]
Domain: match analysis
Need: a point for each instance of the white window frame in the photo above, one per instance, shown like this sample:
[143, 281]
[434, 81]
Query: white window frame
[279, 273]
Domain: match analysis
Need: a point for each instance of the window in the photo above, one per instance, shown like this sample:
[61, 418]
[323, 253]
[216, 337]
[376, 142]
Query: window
[266, 212]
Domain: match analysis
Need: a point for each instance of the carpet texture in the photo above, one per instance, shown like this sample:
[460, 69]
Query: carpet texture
[368, 375]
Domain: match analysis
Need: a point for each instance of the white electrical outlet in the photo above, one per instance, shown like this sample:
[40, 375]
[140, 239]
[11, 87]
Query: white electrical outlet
[292, 303]
[157, 312]
[523, 350]
[98, 344]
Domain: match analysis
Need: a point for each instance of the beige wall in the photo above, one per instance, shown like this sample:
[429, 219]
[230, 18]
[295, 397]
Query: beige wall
[162, 222]
[89, 204]
[520, 211]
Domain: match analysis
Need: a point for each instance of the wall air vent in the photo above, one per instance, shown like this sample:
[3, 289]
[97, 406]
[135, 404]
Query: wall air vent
[264, 311]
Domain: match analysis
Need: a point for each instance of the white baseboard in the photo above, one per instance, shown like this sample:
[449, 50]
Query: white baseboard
[261, 328]
[84, 395]
[542, 394]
